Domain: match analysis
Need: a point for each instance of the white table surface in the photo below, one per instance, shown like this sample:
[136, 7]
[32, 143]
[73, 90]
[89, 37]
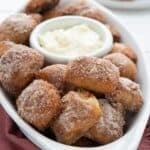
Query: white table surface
[138, 23]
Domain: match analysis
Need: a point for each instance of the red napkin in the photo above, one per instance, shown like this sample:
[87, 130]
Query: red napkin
[11, 137]
[145, 142]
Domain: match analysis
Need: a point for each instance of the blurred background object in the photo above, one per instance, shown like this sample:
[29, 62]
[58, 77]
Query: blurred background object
[126, 4]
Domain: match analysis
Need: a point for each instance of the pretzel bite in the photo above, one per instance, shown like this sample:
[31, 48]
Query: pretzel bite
[18, 66]
[128, 93]
[80, 112]
[126, 50]
[39, 104]
[109, 127]
[54, 74]
[37, 17]
[17, 27]
[75, 7]
[115, 33]
[98, 75]
[5, 46]
[126, 66]
[39, 6]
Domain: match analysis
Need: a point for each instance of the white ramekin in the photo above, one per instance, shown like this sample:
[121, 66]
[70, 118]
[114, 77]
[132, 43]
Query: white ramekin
[67, 22]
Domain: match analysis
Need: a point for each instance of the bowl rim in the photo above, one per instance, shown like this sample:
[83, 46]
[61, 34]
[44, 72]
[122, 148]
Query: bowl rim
[100, 27]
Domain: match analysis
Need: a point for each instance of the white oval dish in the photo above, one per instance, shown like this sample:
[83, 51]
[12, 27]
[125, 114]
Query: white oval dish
[128, 5]
[66, 22]
[131, 139]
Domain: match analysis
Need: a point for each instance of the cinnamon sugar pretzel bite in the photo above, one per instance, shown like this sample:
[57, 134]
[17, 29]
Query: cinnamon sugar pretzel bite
[126, 66]
[80, 112]
[54, 74]
[128, 93]
[39, 104]
[39, 6]
[17, 27]
[5, 46]
[124, 49]
[109, 127]
[18, 66]
[98, 75]
[75, 7]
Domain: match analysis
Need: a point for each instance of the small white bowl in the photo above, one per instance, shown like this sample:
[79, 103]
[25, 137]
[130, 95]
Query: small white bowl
[64, 23]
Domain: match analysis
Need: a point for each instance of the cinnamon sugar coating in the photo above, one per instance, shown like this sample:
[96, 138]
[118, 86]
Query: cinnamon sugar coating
[98, 75]
[124, 49]
[40, 6]
[80, 112]
[128, 93]
[126, 66]
[5, 46]
[109, 127]
[39, 104]
[37, 17]
[75, 7]
[18, 66]
[54, 74]
[17, 27]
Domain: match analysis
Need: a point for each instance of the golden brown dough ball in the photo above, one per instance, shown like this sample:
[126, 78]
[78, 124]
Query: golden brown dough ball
[109, 127]
[98, 75]
[54, 74]
[18, 66]
[126, 66]
[75, 7]
[39, 6]
[128, 93]
[39, 104]
[125, 49]
[115, 33]
[17, 27]
[80, 112]
[5, 46]
[37, 17]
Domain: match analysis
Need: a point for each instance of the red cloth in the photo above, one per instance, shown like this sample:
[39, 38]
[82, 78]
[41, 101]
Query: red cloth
[12, 139]
[10, 136]
[145, 142]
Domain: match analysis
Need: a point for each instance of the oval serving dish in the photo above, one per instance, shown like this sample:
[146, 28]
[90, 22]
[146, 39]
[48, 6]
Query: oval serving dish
[131, 139]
